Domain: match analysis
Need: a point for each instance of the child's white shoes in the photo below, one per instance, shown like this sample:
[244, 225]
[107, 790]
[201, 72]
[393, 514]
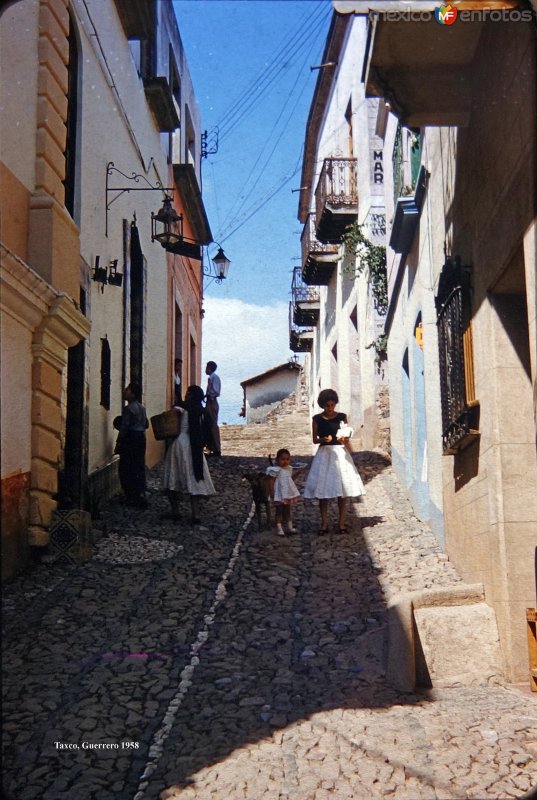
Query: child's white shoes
[279, 530]
[291, 528]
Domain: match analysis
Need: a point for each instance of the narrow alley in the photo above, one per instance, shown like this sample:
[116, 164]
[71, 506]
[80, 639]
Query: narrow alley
[225, 662]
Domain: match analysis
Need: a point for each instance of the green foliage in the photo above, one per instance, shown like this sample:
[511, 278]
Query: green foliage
[371, 256]
[380, 344]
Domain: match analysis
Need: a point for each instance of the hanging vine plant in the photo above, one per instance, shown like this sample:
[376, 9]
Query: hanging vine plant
[372, 256]
[380, 345]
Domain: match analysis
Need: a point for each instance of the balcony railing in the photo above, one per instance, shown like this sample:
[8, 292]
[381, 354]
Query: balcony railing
[300, 340]
[318, 259]
[305, 300]
[336, 198]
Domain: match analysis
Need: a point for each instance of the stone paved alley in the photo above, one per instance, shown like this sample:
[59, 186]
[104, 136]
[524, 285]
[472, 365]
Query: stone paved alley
[226, 663]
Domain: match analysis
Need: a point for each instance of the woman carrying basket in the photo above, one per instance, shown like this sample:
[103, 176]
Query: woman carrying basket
[185, 466]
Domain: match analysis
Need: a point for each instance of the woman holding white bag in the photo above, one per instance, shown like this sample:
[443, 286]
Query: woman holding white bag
[332, 473]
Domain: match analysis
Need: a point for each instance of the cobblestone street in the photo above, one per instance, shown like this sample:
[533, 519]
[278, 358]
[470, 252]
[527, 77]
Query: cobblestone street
[225, 662]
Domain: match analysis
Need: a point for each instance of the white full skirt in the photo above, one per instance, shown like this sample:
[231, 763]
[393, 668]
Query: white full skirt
[178, 472]
[333, 474]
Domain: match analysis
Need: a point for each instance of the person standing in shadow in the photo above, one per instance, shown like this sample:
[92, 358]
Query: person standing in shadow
[130, 447]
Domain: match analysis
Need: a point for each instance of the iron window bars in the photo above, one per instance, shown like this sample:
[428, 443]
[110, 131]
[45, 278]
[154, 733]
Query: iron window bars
[460, 409]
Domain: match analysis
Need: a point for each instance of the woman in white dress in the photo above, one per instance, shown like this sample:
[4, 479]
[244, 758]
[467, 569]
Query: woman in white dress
[332, 473]
[185, 466]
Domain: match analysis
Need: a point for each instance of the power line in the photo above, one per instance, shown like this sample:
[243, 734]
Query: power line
[270, 136]
[261, 205]
[258, 89]
[262, 75]
[244, 195]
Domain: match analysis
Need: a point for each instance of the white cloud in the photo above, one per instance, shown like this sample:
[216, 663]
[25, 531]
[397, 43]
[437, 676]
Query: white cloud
[244, 339]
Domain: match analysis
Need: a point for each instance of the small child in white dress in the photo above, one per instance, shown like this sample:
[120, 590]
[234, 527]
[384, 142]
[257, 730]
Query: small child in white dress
[284, 494]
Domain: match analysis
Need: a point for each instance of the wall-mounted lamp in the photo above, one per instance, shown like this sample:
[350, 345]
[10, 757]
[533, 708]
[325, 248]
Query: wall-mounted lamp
[114, 192]
[164, 224]
[115, 278]
[220, 267]
[109, 274]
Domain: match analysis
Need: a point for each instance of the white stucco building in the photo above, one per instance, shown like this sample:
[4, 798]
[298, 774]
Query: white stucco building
[333, 313]
[462, 264]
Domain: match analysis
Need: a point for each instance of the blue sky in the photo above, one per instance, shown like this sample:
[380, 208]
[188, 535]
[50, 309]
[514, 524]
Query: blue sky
[250, 65]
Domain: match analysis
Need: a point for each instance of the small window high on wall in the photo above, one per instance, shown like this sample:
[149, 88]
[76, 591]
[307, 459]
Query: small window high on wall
[460, 409]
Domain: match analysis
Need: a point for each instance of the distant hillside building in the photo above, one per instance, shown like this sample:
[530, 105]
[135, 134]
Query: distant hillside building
[264, 392]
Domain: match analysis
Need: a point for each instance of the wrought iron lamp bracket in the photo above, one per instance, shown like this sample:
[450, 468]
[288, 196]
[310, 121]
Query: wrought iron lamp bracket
[119, 190]
[217, 274]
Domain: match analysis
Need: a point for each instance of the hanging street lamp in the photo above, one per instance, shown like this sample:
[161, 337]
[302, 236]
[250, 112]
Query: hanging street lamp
[164, 224]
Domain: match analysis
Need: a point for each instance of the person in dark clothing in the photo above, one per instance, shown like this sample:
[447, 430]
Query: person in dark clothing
[185, 467]
[130, 446]
[178, 365]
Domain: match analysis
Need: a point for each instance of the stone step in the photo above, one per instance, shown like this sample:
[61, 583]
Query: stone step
[290, 430]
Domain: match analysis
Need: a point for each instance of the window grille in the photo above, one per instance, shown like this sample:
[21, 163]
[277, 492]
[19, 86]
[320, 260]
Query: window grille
[457, 385]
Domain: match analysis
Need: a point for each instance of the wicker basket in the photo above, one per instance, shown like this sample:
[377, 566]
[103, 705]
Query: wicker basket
[166, 425]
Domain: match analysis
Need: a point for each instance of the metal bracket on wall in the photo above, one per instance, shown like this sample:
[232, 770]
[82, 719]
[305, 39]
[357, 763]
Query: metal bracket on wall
[119, 190]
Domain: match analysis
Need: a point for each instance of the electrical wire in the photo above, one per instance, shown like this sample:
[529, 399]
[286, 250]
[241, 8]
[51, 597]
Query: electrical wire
[257, 89]
[263, 75]
[270, 138]
[244, 196]
[261, 205]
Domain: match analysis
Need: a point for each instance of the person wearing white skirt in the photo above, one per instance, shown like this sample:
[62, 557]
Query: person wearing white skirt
[332, 473]
[285, 494]
[185, 466]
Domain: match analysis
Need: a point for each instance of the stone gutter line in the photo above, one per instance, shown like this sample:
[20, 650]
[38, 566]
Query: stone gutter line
[156, 748]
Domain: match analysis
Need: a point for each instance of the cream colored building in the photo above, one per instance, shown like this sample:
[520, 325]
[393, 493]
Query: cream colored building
[462, 281]
[332, 314]
[97, 104]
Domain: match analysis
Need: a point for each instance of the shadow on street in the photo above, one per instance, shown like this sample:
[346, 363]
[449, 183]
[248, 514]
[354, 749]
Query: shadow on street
[101, 653]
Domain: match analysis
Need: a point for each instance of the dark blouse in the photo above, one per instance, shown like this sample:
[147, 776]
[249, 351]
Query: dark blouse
[329, 427]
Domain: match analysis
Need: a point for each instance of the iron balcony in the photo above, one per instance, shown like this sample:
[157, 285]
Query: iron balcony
[318, 259]
[336, 199]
